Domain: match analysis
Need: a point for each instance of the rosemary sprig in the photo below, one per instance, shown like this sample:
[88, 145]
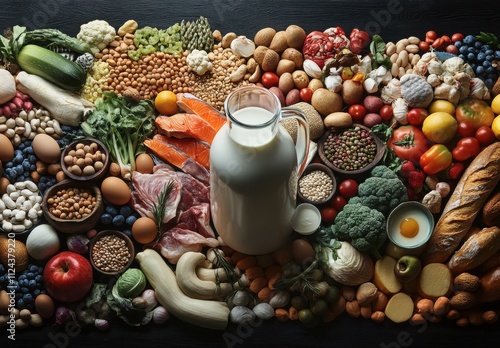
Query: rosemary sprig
[160, 206]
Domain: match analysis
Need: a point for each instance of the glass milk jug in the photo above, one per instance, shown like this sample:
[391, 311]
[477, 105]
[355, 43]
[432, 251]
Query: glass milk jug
[254, 168]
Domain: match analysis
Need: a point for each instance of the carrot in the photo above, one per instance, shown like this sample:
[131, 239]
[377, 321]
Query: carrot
[265, 294]
[246, 262]
[293, 313]
[255, 272]
[283, 255]
[272, 271]
[273, 280]
[281, 314]
[257, 285]
[237, 256]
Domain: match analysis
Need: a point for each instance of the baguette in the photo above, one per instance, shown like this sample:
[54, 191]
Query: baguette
[470, 194]
[490, 215]
[476, 250]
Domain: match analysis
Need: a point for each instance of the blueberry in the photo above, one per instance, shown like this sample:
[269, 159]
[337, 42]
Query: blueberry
[3, 278]
[39, 269]
[22, 277]
[106, 218]
[473, 66]
[480, 57]
[36, 292]
[472, 50]
[497, 54]
[28, 298]
[478, 44]
[486, 47]
[469, 39]
[2, 268]
[9, 165]
[128, 232]
[25, 290]
[488, 83]
[489, 57]
[463, 49]
[32, 168]
[130, 220]
[34, 268]
[38, 278]
[118, 220]
[490, 70]
[21, 146]
[126, 211]
[111, 210]
[486, 63]
[20, 303]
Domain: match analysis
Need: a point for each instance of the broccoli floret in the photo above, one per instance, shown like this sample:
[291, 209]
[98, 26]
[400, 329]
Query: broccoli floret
[362, 226]
[382, 191]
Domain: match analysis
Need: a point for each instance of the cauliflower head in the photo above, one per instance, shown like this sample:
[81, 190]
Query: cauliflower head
[199, 62]
[97, 34]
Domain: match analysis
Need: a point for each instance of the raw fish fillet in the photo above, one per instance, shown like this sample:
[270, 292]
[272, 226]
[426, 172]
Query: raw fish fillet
[191, 104]
[171, 154]
[194, 148]
[185, 125]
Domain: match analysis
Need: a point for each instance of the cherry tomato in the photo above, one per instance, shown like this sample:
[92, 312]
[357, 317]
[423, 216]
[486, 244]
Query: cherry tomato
[348, 188]
[386, 112]
[338, 202]
[328, 214]
[357, 111]
[270, 79]
[466, 148]
[446, 39]
[465, 129]
[424, 46]
[457, 37]
[485, 135]
[416, 116]
[431, 35]
[306, 94]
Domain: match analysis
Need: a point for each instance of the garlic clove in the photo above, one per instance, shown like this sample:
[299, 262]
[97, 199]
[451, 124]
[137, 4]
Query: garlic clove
[242, 46]
[311, 68]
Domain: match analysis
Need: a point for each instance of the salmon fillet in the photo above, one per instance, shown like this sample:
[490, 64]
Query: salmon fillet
[184, 125]
[189, 103]
[194, 148]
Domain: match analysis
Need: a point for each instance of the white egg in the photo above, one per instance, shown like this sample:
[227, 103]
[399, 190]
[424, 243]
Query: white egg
[418, 213]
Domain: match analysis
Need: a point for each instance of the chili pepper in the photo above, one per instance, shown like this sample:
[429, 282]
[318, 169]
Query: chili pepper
[455, 170]
[436, 159]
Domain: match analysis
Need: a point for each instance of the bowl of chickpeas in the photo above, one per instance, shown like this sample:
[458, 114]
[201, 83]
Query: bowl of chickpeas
[85, 159]
[72, 206]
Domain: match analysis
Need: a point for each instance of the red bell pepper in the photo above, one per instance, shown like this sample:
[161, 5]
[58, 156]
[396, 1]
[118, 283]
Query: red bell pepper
[436, 159]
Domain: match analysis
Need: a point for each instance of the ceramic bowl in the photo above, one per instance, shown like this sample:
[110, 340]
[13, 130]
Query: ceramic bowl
[378, 153]
[115, 234]
[74, 225]
[69, 153]
[313, 167]
[410, 218]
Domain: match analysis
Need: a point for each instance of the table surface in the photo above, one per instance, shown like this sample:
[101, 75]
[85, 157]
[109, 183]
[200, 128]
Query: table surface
[393, 20]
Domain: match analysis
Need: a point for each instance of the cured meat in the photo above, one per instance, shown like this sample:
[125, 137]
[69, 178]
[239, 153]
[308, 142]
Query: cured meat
[194, 148]
[321, 46]
[185, 125]
[191, 104]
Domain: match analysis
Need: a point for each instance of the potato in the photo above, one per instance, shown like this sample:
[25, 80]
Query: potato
[276, 91]
[264, 37]
[352, 92]
[293, 55]
[338, 120]
[326, 101]
[286, 83]
[270, 61]
[295, 36]
[373, 103]
[371, 119]
[285, 65]
[292, 97]
[300, 79]
[278, 43]
[314, 84]
[259, 53]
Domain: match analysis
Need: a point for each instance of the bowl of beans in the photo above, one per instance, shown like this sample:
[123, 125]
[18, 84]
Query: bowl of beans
[317, 184]
[72, 206]
[111, 252]
[85, 160]
[352, 151]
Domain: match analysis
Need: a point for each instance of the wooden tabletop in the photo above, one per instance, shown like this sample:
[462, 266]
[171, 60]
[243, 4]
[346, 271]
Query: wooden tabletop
[393, 20]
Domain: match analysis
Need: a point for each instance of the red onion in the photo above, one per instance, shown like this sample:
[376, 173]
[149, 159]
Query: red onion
[63, 315]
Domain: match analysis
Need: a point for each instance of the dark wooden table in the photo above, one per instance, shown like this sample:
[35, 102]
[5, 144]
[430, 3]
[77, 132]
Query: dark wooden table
[392, 19]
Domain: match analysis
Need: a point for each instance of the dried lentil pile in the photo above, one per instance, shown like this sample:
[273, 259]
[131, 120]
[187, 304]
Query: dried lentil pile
[316, 186]
[110, 253]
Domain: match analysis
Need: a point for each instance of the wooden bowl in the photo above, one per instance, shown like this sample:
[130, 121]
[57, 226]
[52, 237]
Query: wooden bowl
[116, 233]
[99, 174]
[312, 168]
[73, 225]
[379, 153]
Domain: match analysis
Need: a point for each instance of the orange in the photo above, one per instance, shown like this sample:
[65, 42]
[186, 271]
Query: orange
[166, 103]
[442, 105]
[439, 127]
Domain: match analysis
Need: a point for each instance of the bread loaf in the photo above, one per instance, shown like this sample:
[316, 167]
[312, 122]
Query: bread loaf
[467, 200]
[476, 250]
[490, 286]
[490, 215]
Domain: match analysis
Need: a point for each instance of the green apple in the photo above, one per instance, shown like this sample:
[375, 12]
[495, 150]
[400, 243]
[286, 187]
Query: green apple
[407, 268]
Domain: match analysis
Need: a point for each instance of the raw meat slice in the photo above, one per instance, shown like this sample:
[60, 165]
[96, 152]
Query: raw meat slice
[197, 218]
[194, 148]
[185, 125]
[191, 104]
[194, 192]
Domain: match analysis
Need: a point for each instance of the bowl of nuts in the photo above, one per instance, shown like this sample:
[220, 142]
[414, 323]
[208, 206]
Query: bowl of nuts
[111, 252]
[317, 184]
[72, 206]
[85, 159]
[352, 151]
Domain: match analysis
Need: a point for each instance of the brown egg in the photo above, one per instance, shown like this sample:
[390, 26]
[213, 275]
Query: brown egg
[6, 149]
[115, 190]
[144, 163]
[46, 148]
[302, 250]
[144, 230]
[44, 306]
[4, 182]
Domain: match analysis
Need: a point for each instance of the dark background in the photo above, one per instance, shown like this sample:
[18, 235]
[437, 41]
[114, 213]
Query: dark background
[391, 19]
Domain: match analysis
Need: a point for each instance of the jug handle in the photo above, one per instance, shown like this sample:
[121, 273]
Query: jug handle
[302, 143]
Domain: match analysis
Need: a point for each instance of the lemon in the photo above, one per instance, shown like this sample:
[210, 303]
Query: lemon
[495, 104]
[166, 103]
[443, 106]
[439, 127]
[495, 126]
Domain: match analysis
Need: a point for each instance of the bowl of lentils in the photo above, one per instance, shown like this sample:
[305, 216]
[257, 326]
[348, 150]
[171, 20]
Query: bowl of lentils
[111, 252]
[351, 151]
[72, 206]
[317, 184]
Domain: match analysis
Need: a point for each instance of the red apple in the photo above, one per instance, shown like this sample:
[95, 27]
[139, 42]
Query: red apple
[67, 276]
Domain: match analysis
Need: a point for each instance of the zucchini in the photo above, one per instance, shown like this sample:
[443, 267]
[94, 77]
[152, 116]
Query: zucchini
[51, 66]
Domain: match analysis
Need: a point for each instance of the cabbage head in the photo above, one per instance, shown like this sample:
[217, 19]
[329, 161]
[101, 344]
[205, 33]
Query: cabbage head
[131, 283]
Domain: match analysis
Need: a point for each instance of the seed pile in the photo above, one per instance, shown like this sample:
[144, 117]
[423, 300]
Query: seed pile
[349, 150]
[72, 203]
[110, 253]
[316, 186]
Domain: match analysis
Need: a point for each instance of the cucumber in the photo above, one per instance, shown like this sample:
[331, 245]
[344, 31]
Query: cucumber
[51, 66]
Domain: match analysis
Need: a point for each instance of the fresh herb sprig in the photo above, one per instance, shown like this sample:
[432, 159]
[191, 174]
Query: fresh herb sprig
[377, 49]
[160, 206]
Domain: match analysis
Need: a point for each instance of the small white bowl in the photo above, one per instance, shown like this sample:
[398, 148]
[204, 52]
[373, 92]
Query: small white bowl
[306, 219]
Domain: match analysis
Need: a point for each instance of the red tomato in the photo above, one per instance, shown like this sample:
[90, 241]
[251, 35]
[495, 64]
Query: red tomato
[270, 79]
[408, 143]
[306, 94]
[446, 39]
[431, 35]
[338, 202]
[465, 129]
[424, 46]
[485, 135]
[386, 112]
[328, 214]
[466, 148]
[348, 188]
[457, 37]
[357, 111]
[476, 111]
[416, 116]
